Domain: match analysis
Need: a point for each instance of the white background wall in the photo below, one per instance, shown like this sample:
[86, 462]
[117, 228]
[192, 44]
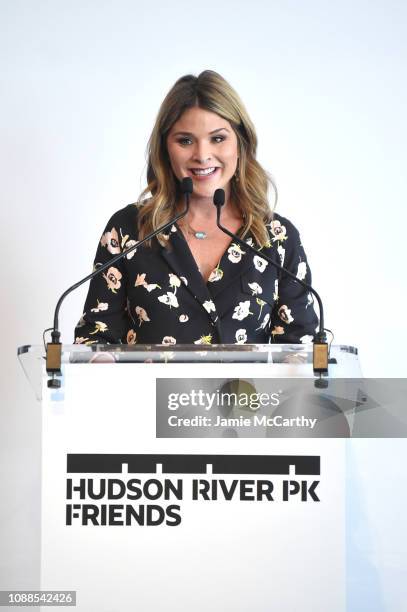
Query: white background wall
[81, 83]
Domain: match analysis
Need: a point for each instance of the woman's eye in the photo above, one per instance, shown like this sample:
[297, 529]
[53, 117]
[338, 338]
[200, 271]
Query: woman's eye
[185, 141]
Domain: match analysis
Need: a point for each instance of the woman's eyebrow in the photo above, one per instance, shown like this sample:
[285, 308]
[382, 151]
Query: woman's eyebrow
[219, 130]
[191, 134]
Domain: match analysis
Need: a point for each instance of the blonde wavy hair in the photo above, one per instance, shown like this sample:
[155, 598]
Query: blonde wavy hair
[249, 187]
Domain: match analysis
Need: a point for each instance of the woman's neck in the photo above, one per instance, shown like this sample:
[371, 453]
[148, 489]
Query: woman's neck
[203, 210]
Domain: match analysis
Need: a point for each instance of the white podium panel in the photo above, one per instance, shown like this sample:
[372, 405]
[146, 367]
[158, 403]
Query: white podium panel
[132, 521]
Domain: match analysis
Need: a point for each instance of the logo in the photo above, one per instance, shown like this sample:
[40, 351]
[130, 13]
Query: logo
[155, 496]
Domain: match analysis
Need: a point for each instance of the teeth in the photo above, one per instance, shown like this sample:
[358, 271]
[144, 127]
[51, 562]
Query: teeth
[205, 171]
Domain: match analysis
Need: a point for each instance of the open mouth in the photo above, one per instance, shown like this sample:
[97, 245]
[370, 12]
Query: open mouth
[203, 171]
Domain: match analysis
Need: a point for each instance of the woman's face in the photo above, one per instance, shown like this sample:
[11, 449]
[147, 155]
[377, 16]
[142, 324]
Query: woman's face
[203, 146]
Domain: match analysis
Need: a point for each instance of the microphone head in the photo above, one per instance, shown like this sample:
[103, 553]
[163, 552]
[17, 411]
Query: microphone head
[219, 198]
[187, 185]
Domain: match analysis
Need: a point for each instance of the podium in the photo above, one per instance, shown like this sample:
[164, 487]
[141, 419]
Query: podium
[199, 478]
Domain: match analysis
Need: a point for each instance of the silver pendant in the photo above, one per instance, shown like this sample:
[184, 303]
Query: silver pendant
[200, 235]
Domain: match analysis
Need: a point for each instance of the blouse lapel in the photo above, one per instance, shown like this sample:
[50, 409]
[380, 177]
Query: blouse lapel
[235, 261]
[180, 259]
[238, 267]
[213, 297]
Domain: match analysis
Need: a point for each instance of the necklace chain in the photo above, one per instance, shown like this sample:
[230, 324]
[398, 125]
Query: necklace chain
[198, 234]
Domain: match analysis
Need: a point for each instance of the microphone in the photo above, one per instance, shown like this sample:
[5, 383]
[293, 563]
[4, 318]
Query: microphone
[320, 352]
[54, 348]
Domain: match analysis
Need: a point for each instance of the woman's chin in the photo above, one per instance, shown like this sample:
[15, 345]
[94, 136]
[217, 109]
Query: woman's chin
[204, 193]
[207, 191]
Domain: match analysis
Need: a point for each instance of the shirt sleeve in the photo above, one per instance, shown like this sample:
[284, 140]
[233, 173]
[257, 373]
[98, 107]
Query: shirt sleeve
[106, 319]
[293, 319]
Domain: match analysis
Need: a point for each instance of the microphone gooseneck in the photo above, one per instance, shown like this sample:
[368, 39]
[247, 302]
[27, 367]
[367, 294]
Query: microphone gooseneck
[54, 348]
[320, 353]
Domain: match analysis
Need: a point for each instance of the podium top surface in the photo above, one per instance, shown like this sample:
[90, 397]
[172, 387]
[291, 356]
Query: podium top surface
[182, 353]
[287, 360]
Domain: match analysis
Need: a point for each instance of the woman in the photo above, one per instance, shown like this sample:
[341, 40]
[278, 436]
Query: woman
[193, 284]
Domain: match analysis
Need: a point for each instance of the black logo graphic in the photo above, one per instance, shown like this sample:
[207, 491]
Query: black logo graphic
[194, 464]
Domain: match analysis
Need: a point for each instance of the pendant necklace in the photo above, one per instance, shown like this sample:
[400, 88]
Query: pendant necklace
[198, 234]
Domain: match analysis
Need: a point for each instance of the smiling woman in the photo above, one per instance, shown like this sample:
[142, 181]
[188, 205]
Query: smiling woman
[191, 152]
[193, 284]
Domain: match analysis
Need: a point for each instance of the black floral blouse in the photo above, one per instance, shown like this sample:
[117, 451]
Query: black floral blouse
[156, 295]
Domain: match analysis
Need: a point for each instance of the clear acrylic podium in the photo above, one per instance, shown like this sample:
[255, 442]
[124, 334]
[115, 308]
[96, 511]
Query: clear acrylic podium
[195, 478]
[288, 360]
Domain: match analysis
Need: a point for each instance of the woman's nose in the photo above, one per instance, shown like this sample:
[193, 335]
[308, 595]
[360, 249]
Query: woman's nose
[202, 152]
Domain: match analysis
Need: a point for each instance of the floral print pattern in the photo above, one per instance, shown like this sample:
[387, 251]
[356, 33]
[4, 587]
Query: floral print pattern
[285, 314]
[129, 244]
[160, 292]
[175, 282]
[209, 306]
[235, 253]
[169, 299]
[111, 241]
[101, 306]
[259, 263]
[112, 278]
[141, 282]
[278, 330]
[99, 327]
[142, 315]
[255, 288]
[278, 231]
[241, 336]
[281, 252]
[168, 340]
[302, 270]
[242, 310]
[275, 294]
[215, 275]
[131, 337]
[204, 340]
[265, 322]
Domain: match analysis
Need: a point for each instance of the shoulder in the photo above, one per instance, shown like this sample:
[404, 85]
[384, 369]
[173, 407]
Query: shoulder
[123, 222]
[280, 224]
[121, 230]
[282, 230]
[124, 216]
